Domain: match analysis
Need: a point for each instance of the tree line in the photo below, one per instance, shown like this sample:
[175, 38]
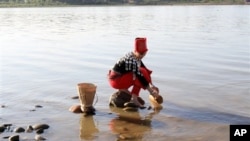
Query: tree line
[84, 2]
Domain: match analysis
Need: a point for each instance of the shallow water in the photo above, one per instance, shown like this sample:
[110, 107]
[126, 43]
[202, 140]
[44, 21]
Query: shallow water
[200, 57]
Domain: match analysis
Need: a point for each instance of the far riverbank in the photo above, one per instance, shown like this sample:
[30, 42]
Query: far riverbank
[6, 4]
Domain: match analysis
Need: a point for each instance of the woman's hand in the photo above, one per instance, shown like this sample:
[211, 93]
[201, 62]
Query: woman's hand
[153, 91]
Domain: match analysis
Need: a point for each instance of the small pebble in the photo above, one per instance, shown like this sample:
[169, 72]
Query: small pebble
[3, 106]
[38, 106]
[75, 97]
[6, 137]
[14, 138]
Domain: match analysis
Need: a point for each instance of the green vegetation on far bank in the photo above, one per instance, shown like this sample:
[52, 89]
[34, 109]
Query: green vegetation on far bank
[52, 3]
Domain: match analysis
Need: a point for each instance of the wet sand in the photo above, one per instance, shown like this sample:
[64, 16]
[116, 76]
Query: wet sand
[112, 124]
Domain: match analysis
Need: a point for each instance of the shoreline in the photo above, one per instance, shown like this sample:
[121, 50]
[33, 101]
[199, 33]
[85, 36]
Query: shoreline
[56, 4]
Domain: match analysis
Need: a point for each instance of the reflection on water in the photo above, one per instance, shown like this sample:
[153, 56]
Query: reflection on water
[130, 125]
[88, 128]
[132, 117]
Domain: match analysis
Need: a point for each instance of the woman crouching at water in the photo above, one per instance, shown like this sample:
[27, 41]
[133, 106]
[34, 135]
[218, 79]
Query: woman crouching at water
[129, 71]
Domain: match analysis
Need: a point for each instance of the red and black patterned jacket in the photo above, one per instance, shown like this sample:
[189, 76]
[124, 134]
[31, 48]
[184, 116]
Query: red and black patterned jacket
[129, 63]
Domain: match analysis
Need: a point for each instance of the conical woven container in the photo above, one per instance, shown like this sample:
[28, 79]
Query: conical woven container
[86, 92]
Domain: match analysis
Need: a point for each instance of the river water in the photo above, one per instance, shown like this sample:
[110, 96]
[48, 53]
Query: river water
[200, 57]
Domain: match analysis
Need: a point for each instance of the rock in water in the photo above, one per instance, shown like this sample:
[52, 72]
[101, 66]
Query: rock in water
[19, 129]
[75, 109]
[39, 138]
[14, 138]
[40, 126]
[2, 128]
[29, 129]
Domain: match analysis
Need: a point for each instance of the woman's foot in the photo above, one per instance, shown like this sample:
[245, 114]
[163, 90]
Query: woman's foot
[134, 99]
